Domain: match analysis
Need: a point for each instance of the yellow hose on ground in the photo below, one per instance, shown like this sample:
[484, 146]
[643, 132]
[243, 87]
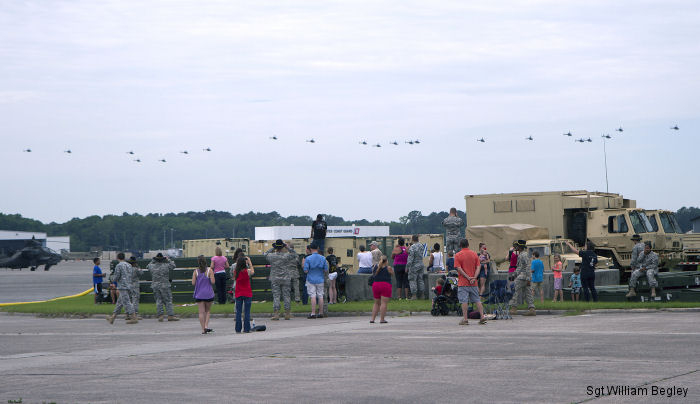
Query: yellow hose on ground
[50, 300]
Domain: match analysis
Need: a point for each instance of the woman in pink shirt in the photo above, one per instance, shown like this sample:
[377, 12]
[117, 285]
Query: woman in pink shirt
[219, 264]
[556, 269]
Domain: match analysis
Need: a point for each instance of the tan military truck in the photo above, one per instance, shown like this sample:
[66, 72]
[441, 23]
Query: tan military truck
[548, 248]
[668, 239]
[691, 252]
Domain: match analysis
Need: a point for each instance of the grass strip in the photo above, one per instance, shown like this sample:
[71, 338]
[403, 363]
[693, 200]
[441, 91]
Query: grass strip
[83, 305]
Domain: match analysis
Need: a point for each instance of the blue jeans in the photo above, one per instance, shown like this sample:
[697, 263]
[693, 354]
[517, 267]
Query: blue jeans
[321, 243]
[240, 301]
[364, 270]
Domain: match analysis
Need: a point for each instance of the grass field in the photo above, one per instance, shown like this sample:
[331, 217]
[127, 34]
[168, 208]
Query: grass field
[84, 306]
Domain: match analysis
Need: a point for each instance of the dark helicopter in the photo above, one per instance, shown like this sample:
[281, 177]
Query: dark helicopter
[395, 143]
[376, 145]
[162, 161]
[207, 149]
[589, 140]
[607, 136]
[364, 143]
[27, 150]
[568, 134]
[580, 140]
[130, 152]
[68, 151]
[185, 152]
[482, 140]
[32, 255]
[137, 160]
[529, 138]
[417, 141]
[311, 141]
[620, 129]
[675, 127]
[409, 142]
[273, 137]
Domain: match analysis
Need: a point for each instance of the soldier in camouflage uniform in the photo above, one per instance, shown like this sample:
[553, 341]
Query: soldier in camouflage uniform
[453, 226]
[523, 274]
[280, 257]
[649, 263]
[292, 264]
[135, 291]
[122, 277]
[415, 267]
[637, 252]
[160, 267]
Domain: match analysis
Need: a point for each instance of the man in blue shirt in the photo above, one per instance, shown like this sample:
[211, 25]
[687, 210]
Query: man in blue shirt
[315, 268]
[537, 267]
[97, 276]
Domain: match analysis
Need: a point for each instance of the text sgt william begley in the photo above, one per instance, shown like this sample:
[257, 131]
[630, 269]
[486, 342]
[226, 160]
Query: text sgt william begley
[619, 390]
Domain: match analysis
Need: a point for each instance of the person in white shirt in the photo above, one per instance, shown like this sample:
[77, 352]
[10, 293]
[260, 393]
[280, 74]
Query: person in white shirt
[436, 262]
[364, 259]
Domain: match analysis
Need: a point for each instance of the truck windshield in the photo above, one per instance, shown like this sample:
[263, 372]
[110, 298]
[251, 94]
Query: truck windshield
[640, 223]
[675, 223]
[666, 223]
[654, 223]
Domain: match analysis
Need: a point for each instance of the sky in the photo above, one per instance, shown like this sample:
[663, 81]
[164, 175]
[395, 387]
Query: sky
[157, 78]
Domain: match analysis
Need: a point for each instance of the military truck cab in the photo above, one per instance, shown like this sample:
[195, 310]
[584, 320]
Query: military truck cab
[548, 248]
[668, 238]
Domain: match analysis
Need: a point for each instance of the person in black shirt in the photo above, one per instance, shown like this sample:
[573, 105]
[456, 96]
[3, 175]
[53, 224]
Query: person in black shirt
[318, 233]
[589, 259]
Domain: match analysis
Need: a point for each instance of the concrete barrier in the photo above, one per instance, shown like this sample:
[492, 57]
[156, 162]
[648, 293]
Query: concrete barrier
[356, 286]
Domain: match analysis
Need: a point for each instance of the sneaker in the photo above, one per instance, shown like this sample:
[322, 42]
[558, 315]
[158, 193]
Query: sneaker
[482, 321]
[319, 316]
[311, 316]
[464, 322]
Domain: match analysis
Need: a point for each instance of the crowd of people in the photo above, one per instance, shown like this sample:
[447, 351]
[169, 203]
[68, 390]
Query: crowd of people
[319, 273]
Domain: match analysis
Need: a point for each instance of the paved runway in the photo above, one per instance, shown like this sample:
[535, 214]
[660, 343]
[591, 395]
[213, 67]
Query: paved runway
[66, 278]
[411, 359]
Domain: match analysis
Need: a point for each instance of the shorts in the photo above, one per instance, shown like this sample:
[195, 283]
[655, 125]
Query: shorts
[381, 289]
[537, 286]
[575, 291]
[484, 273]
[332, 275]
[314, 290]
[557, 283]
[205, 300]
[401, 276]
[97, 288]
[468, 294]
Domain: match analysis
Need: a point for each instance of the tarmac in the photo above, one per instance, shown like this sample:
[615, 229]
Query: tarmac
[66, 278]
[548, 358]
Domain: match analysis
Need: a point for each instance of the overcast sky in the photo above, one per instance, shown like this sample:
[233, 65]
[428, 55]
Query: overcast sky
[102, 78]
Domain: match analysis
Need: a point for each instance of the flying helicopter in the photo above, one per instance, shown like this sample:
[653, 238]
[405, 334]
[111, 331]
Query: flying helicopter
[529, 138]
[27, 150]
[311, 141]
[185, 152]
[409, 142]
[273, 137]
[162, 161]
[130, 152]
[568, 134]
[589, 140]
[620, 129]
[417, 141]
[482, 140]
[67, 151]
[607, 136]
[364, 143]
[581, 140]
[137, 160]
[207, 149]
[395, 143]
[675, 127]
[376, 145]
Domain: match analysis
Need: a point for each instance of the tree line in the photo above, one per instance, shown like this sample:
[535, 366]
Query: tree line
[135, 232]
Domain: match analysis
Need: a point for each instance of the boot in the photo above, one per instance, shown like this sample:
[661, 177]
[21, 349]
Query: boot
[513, 311]
[275, 315]
[530, 312]
[288, 315]
[160, 318]
[173, 318]
[138, 317]
[653, 293]
[131, 319]
[631, 293]
[111, 318]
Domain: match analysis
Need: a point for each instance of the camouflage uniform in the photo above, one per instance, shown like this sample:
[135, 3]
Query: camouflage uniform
[135, 291]
[414, 267]
[160, 283]
[452, 226]
[637, 253]
[651, 263]
[122, 277]
[279, 277]
[523, 275]
[292, 263]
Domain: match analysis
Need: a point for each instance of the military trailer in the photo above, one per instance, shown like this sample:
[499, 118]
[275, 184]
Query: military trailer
[607, 219]
[206, 246]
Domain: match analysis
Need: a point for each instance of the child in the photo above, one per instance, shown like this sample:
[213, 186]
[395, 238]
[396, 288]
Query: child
[556, 269]
[537, 275]
[575, 284]
[332, 276]
[97, 277]
[438, 287]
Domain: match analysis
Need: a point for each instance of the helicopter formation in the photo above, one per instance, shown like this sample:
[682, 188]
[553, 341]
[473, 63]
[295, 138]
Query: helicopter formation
[579, 140]
[377, 145]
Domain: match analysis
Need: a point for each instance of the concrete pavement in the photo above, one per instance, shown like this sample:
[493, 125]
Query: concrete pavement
[346, 359]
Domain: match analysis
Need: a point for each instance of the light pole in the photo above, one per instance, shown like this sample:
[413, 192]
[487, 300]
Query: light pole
[163, 239]
[172, 245]
[605, 157]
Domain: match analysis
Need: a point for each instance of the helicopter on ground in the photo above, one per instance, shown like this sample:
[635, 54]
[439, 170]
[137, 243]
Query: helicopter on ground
[32, 255]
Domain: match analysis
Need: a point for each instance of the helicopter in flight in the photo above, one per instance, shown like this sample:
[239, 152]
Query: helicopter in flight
[137, 160]
[589, 140]
[68, 151]
[273, 137]
[606, 136]
[409, 142]
[364, 143]
[130, 152]
[417, 141]
[162, 161]
[675, 127]
[207, 149]
[395, 143]
[311, 141]
[185, 152]
[620, 129]
[529, 138]
[27, 150]
[581, 140]
[482, 140]
[376, 145]
[569, 134]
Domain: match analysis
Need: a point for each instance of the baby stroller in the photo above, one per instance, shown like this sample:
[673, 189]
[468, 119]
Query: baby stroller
[498, 299]
[340, 283]
[447, 300]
